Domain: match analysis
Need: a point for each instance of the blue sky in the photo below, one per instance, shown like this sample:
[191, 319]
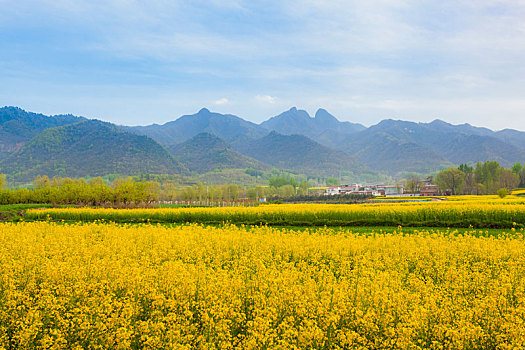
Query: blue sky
[139, 62]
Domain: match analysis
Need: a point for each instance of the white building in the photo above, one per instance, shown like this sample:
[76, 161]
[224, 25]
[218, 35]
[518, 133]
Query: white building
[343, 189]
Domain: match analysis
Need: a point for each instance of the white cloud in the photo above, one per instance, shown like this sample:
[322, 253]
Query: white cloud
[266, 99]
[222, 101]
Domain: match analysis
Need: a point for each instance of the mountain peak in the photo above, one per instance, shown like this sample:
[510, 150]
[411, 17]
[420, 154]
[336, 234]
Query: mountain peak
[293, 109]
[325, 116]
[439, 122]
[204, 111]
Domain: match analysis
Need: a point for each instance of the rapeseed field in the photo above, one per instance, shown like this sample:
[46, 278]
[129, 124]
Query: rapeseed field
[119, 286]
[487, 212]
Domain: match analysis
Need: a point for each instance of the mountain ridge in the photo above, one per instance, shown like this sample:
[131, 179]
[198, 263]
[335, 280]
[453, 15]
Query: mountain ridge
[299, 122]
[226, 126]
[390, 146]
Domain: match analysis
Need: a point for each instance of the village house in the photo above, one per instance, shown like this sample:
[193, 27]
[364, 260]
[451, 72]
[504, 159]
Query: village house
[428, 190]
[374, 190]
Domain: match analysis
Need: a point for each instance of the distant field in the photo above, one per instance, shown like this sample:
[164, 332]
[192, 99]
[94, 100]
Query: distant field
[478, 212]
[122, 286]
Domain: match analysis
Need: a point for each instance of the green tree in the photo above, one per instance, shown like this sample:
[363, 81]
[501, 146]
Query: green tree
[41, 181]
[450, 179]
[516, 168]
[3, 181]
[303, 188]
[332, 181]
[278, 181]
[466, 168]
[286, 191]
[413, 185]
[487, 174]
[469, 184]
[508, 179]
[522, 177]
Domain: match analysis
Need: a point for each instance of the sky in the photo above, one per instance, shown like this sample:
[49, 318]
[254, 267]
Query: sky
[141, 62]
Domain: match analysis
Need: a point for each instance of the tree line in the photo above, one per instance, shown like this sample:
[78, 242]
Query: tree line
[122, 191]
[126, 191]
[483, 178]
[144, 191]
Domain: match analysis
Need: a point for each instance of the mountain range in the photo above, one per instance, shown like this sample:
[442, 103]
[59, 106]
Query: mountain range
[34, 144]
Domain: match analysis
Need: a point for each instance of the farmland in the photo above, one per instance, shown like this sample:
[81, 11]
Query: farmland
[320, 277]
[103, 285]
[482, 212]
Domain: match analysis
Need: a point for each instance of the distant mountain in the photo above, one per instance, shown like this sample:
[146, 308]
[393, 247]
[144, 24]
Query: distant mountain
[89, 148]
[297, 152]
[299, 122]
[206, 152]
[18, 126]
[205, 141]
[441, 126]
[386, 152]
[399, 146]
[226, 126]
[473, 149]
[513, 137]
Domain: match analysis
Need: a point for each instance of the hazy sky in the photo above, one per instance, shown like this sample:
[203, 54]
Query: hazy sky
[139, 62]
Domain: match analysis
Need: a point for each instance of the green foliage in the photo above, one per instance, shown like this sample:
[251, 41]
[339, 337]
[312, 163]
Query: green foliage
[503, 192]
[487, 175]
[465, 168]
[413, 185]
[508, 179]
[450, 179]
[125, 191]
[486, 178]
[3, 181]
[254, 172]
[279, 181]
[255, 193]
[303, 188]
[516, 168]
[286, 191]
[332, 181]
[207, 194]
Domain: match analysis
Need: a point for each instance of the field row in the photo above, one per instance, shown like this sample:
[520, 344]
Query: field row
[113, 286]
[490, 214]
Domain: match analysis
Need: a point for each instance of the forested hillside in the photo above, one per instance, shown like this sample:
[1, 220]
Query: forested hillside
[300, 153]
[89, 148]
[18, 126]
[205, 152]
